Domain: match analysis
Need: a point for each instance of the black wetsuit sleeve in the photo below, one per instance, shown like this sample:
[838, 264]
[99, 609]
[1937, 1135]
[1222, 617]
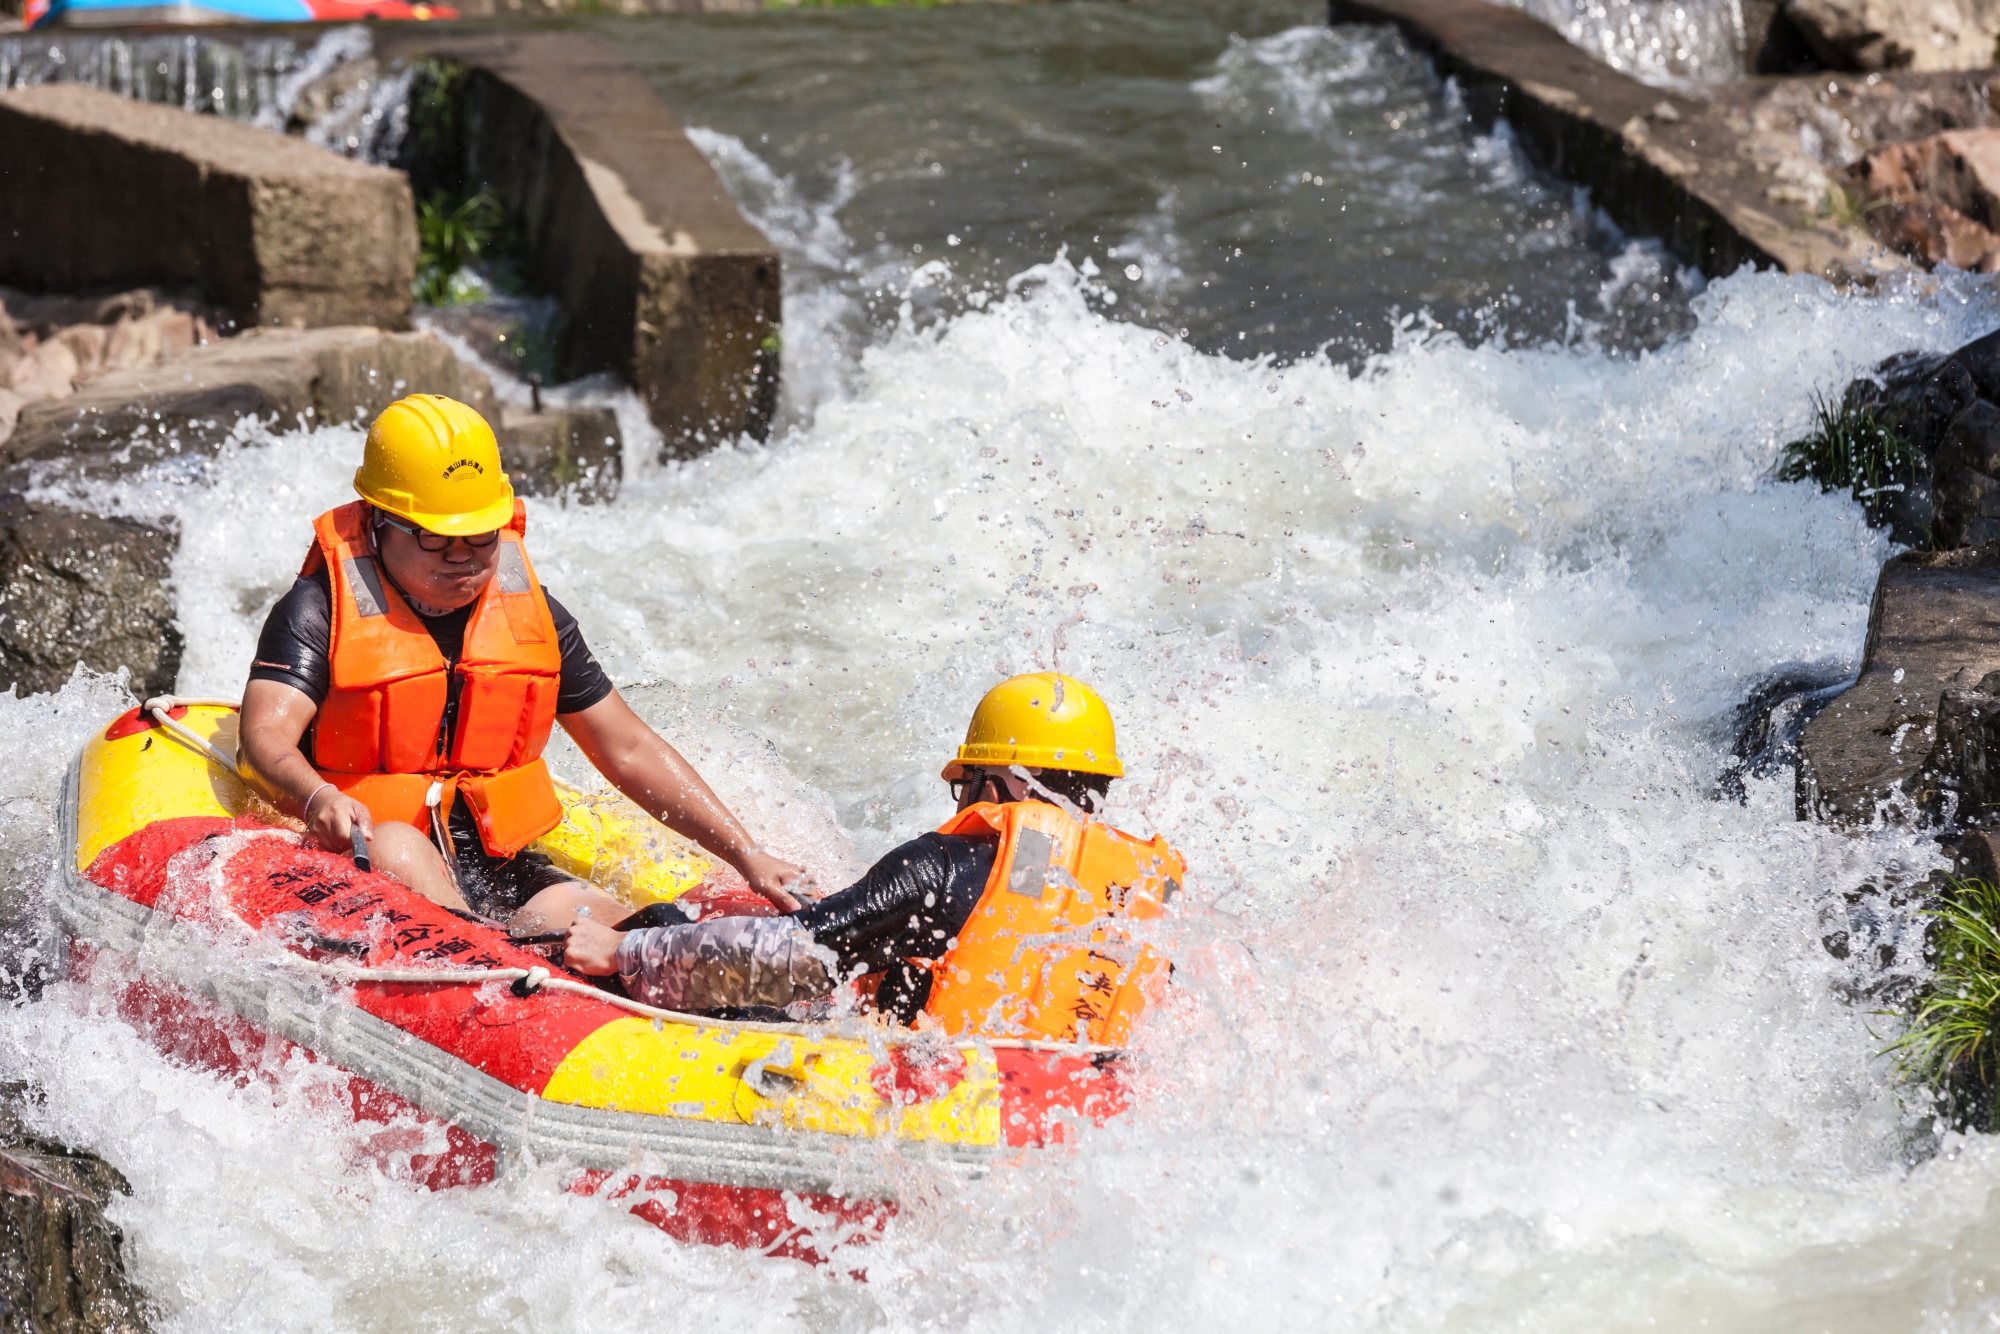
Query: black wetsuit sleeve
[583, 681]
[292, 647]
[910, 905]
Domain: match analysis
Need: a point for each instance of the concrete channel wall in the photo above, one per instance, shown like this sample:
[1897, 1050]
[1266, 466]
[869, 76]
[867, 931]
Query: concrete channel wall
[1660, 164]
[99, 192]
[661, 278]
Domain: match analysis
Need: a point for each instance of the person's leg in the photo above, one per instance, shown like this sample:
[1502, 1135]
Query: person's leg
[404, 854]
[554, 908]
[726, 963]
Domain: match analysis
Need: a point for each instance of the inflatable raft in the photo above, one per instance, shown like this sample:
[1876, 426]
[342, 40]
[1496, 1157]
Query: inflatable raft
[43, 14]
[226, 939]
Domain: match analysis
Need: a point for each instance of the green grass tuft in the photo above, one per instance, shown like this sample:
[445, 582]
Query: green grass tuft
[1850, 449]
[450, 235]
[1950, 1045]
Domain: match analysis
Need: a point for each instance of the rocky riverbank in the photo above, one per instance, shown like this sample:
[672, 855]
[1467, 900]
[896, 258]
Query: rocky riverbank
[1912, 741]
[61, 1267]
[51, 346]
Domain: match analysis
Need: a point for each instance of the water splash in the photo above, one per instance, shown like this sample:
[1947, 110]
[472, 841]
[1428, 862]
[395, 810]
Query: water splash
[1670, 43]
[1426, 663]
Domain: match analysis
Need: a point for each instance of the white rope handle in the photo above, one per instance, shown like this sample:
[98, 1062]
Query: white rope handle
[158, 707]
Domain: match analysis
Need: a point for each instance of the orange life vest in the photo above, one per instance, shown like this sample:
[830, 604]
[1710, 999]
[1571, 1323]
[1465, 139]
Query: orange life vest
[379, 732]
[1043, 954]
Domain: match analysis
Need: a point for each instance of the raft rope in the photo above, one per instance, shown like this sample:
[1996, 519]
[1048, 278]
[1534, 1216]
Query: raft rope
[160, 708]
[528, 981]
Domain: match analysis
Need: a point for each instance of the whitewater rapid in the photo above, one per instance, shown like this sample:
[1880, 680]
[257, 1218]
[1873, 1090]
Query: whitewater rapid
[1489, 1014]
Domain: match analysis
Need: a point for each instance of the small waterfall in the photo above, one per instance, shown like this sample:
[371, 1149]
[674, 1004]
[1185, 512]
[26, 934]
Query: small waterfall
[332, 90]
[1665, 42]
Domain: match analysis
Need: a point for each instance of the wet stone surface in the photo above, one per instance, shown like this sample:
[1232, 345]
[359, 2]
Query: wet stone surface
[61, 1271]
[82, 588]
[1935, 624]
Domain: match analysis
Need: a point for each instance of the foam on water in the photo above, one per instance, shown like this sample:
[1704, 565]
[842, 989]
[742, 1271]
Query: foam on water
[1488, 1014]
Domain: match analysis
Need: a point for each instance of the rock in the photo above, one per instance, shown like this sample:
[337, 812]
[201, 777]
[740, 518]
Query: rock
[83, 588]
[86, 342]
[1959, 782]
[1909, 513]
[1939, 198]
[1935, 623]
[47, 371]
[193, 401]
[1973, 438]
[60, 1266]
[1967, 508]
[563, 451]
[1977, 857]
[133, 345]
[1897, 34]
[1934, 234]
[100, 191]
[1964, 495]
[1917, 394]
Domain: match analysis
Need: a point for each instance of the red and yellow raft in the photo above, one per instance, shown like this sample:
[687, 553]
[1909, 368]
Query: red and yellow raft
[230, 942]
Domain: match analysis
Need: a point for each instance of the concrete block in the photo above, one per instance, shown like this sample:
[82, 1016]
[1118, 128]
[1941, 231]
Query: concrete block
[661, 278]
[576, 452]
[97, 191]
[190, 403]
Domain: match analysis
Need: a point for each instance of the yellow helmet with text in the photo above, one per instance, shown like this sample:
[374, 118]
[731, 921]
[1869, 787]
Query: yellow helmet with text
[433, 461]
[1043, 720]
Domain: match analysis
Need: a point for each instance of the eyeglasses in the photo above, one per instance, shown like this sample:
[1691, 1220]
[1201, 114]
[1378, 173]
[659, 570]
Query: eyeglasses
[430, 541]
[976, 782]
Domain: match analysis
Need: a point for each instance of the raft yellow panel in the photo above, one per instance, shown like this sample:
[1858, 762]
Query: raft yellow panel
[607, 841]
[127, 784]
[807, 1083]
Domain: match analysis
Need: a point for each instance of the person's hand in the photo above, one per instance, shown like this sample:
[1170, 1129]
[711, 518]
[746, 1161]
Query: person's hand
[774, 878]
[333, 819]
[591, 948]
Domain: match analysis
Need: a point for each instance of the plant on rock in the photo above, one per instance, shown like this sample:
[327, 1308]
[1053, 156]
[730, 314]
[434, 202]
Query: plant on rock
[1850, 448]
[1950, 1045]
[451, 234]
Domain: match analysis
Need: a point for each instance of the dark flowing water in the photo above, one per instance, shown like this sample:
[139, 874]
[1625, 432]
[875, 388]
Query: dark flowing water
[1274, 185]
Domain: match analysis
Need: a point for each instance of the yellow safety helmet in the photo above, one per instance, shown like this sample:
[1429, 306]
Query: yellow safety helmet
[433, 461]
[1043, 720]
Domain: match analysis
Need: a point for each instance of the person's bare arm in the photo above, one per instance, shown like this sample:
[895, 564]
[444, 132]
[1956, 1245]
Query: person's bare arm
[641, 764]
[275, 717]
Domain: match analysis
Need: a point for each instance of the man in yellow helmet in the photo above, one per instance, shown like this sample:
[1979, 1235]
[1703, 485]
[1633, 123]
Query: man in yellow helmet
[1004, 922]
[406, 685]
